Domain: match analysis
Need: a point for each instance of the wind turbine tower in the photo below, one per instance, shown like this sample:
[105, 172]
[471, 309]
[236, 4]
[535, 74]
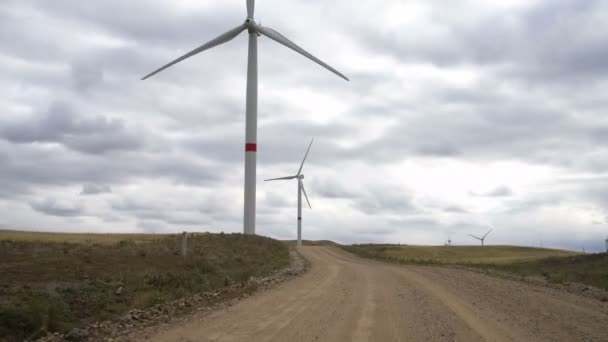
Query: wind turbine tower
[483, 238]
[299, 176]
[251, 103]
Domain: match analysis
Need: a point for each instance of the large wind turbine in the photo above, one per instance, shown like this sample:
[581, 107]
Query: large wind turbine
[299, 176]
[483, 237]
[251, 103]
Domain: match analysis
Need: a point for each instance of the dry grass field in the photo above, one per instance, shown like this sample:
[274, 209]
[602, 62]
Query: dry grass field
[77, 237]
[457, 254]
[55, 282]
[554, 265]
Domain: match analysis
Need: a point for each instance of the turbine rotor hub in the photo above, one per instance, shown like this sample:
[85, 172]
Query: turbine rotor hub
[249, 22]
[301, 177]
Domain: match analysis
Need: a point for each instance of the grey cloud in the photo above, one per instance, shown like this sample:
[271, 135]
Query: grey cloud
[454, 209]
[60, 124]
[501, 191]
[530, 41]
[94, 189]
[52, 207]
[415, 222]
[30, 166]
[151, 226]
[275, 200]
[159, 212]
[482, 131]
[86, 74]
[536, 96]
[333, 188]
[385, 200]
[160, 23]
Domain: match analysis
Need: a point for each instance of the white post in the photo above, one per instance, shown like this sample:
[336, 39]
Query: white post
[299, 213]
[251, 127]
[184, 244]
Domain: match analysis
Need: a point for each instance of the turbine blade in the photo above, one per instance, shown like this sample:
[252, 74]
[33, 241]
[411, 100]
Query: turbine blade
[281, 178]
[281, 39]
[250, 8]
[304, 191]
[221, 39]
[306, 155]
[471, 235]
[488, 233]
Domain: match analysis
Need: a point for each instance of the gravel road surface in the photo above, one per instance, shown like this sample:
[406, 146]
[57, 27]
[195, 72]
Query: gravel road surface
[345, 298]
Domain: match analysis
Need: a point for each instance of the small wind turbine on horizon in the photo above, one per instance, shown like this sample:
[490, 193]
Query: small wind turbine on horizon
[251, 103]
[482, 239]
[299, 176]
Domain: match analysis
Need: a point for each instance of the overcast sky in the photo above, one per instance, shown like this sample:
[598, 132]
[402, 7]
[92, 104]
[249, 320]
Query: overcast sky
[459, 115]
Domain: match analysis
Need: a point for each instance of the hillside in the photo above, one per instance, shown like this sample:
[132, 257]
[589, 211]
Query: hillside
[48, 285]
[553, 265]
[455, 254]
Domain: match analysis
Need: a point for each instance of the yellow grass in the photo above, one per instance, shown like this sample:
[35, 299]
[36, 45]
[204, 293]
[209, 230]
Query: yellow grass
[459, 254]
[77, 237]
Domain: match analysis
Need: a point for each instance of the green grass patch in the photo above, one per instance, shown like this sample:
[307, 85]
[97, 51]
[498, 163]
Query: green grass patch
[48, 285]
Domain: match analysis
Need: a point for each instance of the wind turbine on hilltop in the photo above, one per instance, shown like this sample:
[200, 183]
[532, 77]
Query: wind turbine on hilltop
[483, 237]
[299, 176]
[251, 121]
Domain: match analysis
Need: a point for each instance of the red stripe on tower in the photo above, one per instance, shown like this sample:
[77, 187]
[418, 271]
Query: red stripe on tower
[251, 147]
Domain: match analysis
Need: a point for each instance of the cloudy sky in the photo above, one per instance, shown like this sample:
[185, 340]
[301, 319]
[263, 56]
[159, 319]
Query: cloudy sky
[459, 115]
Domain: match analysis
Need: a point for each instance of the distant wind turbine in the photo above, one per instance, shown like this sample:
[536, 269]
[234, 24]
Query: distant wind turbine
[483, 237]
[299, 176]
[251, 103]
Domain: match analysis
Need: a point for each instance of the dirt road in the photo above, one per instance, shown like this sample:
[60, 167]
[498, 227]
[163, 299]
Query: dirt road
[344, 298]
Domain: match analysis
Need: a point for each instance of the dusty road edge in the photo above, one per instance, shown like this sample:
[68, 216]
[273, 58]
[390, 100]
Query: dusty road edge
[583, 290]
[125, 328]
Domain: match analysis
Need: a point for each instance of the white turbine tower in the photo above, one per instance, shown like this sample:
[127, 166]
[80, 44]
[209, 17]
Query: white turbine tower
[299, 176]
[483, 237]
[251, 120]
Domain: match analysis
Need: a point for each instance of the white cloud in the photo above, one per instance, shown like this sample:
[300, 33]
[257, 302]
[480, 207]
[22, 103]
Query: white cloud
[458, 115]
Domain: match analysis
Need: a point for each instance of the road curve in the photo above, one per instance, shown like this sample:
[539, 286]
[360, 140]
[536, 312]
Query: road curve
[345, 298]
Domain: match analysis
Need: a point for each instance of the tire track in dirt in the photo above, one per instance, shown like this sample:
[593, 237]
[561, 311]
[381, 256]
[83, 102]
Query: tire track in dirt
[345, 298]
